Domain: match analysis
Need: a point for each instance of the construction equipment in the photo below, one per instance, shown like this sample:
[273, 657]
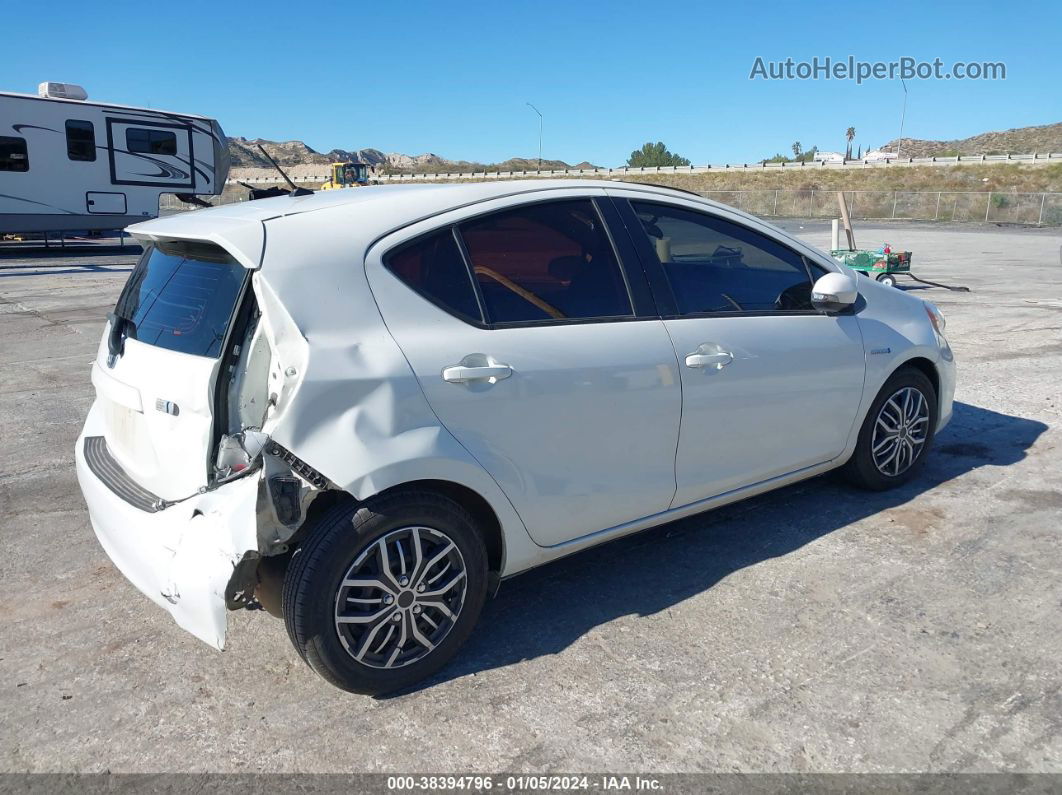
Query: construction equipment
[347, 175]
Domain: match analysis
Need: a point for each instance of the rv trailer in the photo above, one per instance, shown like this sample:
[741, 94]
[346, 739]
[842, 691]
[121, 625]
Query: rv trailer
[69, 164]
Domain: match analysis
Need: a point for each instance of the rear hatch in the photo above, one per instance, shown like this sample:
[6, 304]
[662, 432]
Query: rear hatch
[157, 369]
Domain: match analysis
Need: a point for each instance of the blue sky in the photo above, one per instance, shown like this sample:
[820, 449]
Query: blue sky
[453, 78]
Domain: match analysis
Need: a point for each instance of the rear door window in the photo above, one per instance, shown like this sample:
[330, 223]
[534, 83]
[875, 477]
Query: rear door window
[546, 262]
[714, 265]
[182, 297]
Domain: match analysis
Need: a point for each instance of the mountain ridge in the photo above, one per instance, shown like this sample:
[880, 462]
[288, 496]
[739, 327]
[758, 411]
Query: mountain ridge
[245, 154]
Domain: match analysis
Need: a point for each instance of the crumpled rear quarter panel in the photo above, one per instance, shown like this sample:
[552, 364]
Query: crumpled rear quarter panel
[357, 414]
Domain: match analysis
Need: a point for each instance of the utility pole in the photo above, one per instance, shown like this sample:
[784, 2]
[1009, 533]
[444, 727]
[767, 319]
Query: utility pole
[903, 115]
[536, 110]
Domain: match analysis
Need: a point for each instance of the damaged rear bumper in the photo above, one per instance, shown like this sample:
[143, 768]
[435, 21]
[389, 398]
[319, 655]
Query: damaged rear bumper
[181, 557]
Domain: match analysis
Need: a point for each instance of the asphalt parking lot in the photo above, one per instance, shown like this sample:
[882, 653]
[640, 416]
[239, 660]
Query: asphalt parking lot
[813, 629]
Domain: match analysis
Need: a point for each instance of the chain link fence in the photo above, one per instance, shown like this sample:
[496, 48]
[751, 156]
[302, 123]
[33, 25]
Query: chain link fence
[1043, 209]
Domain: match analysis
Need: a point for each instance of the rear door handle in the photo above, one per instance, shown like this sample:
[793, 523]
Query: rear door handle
[461, 374]
[716, 360]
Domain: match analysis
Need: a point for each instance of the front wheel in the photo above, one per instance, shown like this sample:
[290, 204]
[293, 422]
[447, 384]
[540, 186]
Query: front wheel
[887, 279]
[896, 433]
[382, 594]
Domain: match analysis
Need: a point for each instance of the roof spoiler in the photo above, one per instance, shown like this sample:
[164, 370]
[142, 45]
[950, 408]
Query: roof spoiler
[243, 238]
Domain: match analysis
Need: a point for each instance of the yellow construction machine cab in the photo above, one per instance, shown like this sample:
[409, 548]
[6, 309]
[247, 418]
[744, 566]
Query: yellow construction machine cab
[347, 175]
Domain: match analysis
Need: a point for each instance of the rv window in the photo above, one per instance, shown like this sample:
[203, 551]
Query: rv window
[150, 142]
[80, 140]
[13, 155]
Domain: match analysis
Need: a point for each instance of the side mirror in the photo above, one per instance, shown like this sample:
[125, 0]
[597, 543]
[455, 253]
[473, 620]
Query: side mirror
[834, 292]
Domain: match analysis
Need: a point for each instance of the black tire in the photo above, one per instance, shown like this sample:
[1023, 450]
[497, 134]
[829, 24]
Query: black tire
[887, 279]
[861, 468]
[319, 565]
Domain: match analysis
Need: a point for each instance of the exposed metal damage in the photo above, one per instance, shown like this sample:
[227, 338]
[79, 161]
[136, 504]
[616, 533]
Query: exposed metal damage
[286, 489]
[259, 387]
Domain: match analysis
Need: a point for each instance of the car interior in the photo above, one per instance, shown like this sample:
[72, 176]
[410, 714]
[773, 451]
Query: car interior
[546, 261]
[712, 269]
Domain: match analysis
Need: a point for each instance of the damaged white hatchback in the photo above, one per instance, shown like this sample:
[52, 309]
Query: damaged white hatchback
[362, 409]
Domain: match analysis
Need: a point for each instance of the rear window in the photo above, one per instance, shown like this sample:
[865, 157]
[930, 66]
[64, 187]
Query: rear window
[182, 297]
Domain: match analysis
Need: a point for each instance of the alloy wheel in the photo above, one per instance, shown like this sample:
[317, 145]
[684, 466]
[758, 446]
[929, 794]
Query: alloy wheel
[401, 597]
[900, 431]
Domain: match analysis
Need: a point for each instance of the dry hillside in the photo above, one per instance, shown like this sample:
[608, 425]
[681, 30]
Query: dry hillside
[245, 154]
[1019, 141]
[1016, 178]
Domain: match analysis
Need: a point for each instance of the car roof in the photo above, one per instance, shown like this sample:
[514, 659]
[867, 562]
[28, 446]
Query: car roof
[381, 208]
[377, 210]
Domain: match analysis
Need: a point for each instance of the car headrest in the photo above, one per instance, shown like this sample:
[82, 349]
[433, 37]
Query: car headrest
[565, 268]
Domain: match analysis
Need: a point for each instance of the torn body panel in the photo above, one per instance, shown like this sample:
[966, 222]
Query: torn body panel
[249, 396]
[191, 557]
[182, 557]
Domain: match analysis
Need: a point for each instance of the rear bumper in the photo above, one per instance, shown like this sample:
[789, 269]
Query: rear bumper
[181, 557]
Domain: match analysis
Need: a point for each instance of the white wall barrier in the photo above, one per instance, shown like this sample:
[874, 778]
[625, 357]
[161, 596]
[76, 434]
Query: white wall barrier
[622, 171]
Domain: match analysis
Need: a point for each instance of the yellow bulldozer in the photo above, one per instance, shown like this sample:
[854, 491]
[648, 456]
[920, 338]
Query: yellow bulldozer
[347, 175]
[344, 175]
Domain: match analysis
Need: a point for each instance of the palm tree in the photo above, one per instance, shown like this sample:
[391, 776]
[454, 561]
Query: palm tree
[849, 135]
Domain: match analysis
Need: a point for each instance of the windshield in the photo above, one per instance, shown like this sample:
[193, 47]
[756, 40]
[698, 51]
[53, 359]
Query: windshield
[182, 296]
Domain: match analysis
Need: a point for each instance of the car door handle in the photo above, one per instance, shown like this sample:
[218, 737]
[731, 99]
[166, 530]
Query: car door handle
[461, 374]
[716, 360]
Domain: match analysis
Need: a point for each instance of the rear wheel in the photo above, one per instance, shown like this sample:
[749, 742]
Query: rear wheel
[896, 433]
[382, 594]
[887, 279]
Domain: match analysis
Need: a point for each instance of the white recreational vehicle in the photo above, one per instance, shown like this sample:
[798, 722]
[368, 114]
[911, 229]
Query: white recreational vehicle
[69, 164]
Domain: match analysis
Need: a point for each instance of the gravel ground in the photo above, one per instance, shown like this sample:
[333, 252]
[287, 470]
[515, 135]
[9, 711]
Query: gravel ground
[814, 629]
